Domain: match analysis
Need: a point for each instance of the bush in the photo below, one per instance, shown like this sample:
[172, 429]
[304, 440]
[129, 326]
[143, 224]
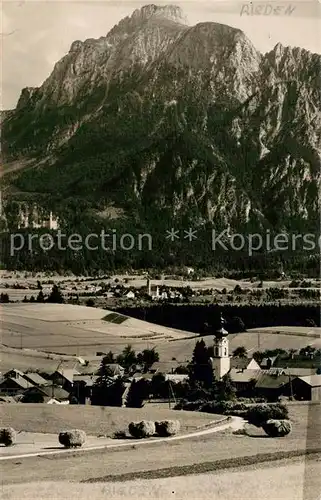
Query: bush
[277, 428]
[8, 436]
[120, 435]
[73, 438]
[167, 427]
[142, 429]
[259, 414]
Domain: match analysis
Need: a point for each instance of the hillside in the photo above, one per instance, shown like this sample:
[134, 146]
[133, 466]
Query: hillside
[32, 332]
[162, 123]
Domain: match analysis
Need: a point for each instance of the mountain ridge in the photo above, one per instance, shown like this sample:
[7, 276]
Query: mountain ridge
[164, 119]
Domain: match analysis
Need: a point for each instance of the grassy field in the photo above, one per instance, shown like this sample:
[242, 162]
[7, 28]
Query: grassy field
[197, 455]
[94, 420]
[282, 479]
[82, 331]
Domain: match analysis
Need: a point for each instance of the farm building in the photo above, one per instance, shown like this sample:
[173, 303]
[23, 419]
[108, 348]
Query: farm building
[63, 378]
[10, 386]
[271, 386]
[46, 394]
[307, 388]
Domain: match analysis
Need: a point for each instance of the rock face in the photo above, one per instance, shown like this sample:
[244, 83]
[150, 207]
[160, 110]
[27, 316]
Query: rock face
[158, 117]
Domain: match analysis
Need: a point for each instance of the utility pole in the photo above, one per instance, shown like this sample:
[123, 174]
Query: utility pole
[291, 387]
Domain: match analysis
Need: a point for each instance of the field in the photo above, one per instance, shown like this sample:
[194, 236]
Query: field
[293, 480]
[94, 420]
[32, 332]
[77, 330]
[199, 455]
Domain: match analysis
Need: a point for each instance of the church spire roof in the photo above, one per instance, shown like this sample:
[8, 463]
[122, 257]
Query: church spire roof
[221, 332]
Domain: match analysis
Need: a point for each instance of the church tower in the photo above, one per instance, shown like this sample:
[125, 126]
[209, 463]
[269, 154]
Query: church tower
[221, 359]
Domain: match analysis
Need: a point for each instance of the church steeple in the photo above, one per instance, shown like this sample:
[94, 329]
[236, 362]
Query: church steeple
[221, 332]
[221, 359]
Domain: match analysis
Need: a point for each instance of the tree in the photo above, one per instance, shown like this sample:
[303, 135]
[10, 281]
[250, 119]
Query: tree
[158, 385]
[109, 358]
[240, 352]
[224, 390]
[108, 391]
[201, 367]
[4, 298]
[138, 391]
[236, 325]
[127, 358]
[90, 303]
[40, 297]
[292, 353]
[56, 296]
[147, 357]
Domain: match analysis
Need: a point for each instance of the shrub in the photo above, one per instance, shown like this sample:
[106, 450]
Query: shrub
[259, 414]
[141, 429]
[8, 436]
[73, 438]
[277, 428]
[119, 435]
[167, 427]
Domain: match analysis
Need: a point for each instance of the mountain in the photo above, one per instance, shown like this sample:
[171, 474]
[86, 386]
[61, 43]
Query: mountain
[163, 121]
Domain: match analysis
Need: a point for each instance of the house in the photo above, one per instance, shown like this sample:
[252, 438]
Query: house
[306, 388]
[130, 295]
[63, 377]
[115, 369]
[165, 366]
[45, 394]
[271, 386]
[267, 363]
[244, 364]
[14, 373]
[244, 380]
[82, 388]
[10, 386]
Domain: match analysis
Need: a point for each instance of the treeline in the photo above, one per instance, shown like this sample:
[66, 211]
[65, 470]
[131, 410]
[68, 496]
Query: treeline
[200, 318]
[159, 260]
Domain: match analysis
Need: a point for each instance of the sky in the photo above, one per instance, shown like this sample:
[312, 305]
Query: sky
[36, 34]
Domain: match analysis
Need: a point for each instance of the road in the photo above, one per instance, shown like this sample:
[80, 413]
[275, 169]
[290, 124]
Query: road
[31, 444]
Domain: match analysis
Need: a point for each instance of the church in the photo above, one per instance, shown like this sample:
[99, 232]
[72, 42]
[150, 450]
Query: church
[222, 363]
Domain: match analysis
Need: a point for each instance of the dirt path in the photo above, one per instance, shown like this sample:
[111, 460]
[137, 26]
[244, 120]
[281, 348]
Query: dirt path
[43, 445]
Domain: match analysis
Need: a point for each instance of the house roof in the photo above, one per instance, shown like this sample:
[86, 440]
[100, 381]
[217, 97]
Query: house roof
[266, 381]
[176, 377]
[7, 399]
[88, 379]
[165, 366]
[36, 379]
[21, 382]
[240, 362]
[52, 392]
[299, 372]
[312, 380]
[139, 376]
[18, 372]
[244, 376]
[115, 368]
[67, 373]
